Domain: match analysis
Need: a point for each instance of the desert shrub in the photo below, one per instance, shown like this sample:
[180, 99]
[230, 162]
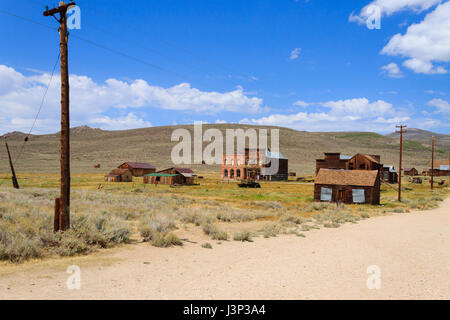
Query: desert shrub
[242, 236]
[331, 225]
[399, 210]
[163, 241]
[207, 245]
[292, 218]
[214, 232]
[271, 230]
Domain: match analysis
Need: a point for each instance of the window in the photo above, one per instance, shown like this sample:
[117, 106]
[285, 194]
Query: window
[239, 162]
[231, 173]
[238, 173]
[232, 162]
[358, 196]
[325, 194]
[225, 173]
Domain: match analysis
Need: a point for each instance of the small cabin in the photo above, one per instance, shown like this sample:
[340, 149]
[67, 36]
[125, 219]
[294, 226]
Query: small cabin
[138, 169]
[119, 175]
[347, 186]
[389, 175]
[172, 176]
[410, 172]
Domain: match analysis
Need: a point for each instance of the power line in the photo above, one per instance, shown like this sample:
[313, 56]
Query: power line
[37, 115]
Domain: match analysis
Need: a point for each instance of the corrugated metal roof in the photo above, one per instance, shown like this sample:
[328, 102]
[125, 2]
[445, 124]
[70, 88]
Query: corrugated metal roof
[138, 165]
[364, 178]
[345, 157]
[275, 155]
[444, 167]
[391, 168]
[161, 175]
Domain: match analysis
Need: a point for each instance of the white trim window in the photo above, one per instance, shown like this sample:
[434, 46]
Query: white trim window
[325, 194]
[358, 196]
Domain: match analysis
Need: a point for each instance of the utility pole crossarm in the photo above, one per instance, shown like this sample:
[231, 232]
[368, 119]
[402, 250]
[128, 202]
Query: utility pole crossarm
[61, 8]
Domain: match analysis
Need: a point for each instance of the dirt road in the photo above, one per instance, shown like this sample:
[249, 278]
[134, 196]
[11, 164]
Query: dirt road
[411, 251]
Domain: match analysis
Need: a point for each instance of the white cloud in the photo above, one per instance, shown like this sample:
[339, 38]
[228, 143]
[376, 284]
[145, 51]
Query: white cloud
[301, 103]
[389, 7]
[343, 115]
[92, 103]
[130, 121]
[424, 43]
[360, 106]
[295, 53]
[392, 70]
[442, 105]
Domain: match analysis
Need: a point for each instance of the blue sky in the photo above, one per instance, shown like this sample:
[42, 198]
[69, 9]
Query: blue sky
[309, 65]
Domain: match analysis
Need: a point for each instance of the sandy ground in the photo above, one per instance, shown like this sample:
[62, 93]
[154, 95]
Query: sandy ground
[411, 250]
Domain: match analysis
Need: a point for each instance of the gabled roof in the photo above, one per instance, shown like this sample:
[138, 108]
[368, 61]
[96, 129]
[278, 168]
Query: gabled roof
[118, 171]
[179, 170]
[363, 178]
[138, 165]
[344, 157]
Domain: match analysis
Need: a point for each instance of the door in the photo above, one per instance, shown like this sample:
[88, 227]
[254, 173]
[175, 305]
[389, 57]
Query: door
[341, 196]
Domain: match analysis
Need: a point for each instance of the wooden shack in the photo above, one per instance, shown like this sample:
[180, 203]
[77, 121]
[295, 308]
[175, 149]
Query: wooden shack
[138, 169]
[332, 161]
[410, 172]
[389, 175]
[172, 176]
[119, 175]
[347, 186]
[364, 162]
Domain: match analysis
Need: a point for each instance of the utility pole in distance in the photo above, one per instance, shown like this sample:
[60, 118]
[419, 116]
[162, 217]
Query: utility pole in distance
[432, 162]
[401, 131]
[62, 222]
[13, 172]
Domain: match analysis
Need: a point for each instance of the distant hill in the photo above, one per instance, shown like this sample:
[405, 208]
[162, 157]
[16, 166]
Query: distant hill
[424, 137]
[110, 148]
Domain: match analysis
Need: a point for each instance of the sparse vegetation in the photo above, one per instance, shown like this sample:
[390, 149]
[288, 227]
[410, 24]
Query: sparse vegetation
[116, 213]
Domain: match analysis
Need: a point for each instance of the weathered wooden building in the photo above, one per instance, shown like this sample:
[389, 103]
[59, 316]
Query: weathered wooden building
[389, 175]
[410, 172]
[138, 169]
[364, 162]
[172, 176]
[347, 186]
[254, 164]
[119, 175]
[332, 161]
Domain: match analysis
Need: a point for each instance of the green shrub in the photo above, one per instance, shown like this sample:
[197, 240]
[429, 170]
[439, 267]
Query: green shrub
[207, 245]
[214, 232]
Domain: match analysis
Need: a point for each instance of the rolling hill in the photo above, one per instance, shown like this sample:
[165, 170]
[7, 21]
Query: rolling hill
[110, 148]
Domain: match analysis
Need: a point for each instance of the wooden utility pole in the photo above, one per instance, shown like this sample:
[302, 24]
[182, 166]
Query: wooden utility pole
[13, 172]
[432, 162]
[64, 200]
[401, 131]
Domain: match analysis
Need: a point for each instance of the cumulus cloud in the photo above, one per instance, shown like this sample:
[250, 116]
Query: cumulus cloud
[424, 43]
[301, 103]
[389, 7]
[442, 105]
[295, 53]
[341, 115]
[130, 121]
[92, 102]
[392, 70]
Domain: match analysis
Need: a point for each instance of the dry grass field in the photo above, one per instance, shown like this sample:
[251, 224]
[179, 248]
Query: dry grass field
[110, 214]
[111, 148]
